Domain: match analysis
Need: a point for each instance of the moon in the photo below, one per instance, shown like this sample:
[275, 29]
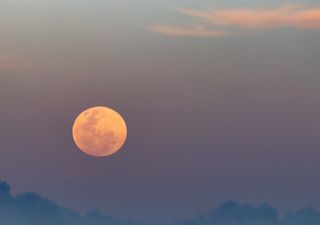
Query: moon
[99, 131]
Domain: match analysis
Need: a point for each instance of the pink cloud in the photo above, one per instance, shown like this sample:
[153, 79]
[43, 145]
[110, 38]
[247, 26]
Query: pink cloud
[10, 63]
[197, 31]
[285, 16]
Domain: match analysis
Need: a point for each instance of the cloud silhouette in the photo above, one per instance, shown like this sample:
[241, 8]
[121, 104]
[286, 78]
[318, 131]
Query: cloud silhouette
[233, 213]
[307, 216]
[33, 209]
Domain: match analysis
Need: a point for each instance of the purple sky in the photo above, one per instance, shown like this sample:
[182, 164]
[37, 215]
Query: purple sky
[215, 111]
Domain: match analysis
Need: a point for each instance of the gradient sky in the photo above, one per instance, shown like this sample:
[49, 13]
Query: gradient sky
[217, 107]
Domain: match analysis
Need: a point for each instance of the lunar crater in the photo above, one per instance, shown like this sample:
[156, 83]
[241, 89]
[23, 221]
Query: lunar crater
[99, 131]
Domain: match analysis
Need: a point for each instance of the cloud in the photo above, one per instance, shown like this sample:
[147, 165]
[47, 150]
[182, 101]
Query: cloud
[10, 63]
[197, 31]
[286, 16]
[291, 15]
[233, 213]
[306, 216]
[33, 209]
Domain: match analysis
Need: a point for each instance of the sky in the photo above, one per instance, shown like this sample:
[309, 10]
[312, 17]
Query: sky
[221, 101]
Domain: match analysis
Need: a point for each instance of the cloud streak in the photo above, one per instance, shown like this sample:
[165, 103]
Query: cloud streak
[292, 15]
[197, 31]
[11, 63]
[224, 20]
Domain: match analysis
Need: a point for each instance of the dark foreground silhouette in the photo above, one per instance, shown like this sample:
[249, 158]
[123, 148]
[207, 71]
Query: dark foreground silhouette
[33, 209]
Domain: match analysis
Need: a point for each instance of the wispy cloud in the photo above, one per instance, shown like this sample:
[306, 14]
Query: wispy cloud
[197, 31]
[285, 16]
[291, 15]
[6, 63]
[10, 63]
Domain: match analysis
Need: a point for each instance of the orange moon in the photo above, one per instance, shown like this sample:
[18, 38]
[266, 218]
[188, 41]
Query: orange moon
[99, 131]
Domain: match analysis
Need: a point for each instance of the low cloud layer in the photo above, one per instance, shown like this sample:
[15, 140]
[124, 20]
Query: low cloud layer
[233, 213]
[197, 31]
[33, 209]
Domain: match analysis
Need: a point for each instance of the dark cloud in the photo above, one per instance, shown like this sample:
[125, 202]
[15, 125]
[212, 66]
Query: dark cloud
[33, 209]
[232, 213]
[307, 216]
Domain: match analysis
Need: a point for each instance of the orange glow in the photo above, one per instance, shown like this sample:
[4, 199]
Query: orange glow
[99, 131]
[286, 16]
[197, 31]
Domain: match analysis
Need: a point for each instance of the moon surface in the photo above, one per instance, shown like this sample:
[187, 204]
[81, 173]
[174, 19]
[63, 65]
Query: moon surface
[99, 131]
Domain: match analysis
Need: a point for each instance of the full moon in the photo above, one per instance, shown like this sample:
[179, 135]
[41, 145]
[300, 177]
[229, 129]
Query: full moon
[99, 131]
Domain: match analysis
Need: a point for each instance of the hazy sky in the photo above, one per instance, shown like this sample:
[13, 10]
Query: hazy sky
[221, 100]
